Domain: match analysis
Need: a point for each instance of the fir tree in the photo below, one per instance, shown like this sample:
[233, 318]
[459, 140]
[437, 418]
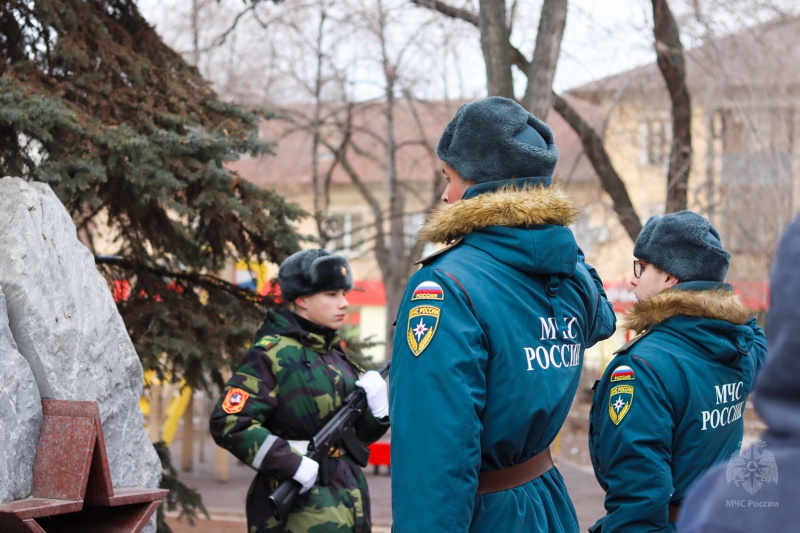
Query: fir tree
[135, 142]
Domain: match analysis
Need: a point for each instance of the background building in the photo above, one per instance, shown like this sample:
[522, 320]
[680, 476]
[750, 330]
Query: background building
[745, 96]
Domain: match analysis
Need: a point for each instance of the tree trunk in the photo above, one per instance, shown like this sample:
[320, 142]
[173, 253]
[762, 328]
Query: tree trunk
[496, 49]
[395, 250]
[319, 188]
[195, 34]
[538, 97]
[672, 64]
[548, 45]
[393, 271]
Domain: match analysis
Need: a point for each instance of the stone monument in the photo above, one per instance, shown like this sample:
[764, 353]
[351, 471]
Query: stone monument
[62, 338]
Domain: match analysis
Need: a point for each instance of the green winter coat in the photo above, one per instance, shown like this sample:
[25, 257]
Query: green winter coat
[670, 404]
[487, 356]
[287, 386]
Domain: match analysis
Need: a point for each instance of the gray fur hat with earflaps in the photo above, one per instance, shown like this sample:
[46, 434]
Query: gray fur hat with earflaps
[311, 271]
[496, 139]
[685, 245]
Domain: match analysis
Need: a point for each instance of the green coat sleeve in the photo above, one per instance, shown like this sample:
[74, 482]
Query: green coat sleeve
[243, 432]
[604, 320]
[437, 395]
[632, 448]
[758, 353]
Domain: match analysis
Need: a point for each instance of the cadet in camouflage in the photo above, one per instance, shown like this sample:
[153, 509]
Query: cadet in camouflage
[287, 386]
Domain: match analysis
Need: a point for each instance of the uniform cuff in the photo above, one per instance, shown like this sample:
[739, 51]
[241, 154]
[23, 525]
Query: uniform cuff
[279, 458]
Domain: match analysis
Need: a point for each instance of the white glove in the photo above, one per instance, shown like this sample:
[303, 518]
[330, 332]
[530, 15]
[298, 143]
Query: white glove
[306, 474]
[299, 446]
[375, 387]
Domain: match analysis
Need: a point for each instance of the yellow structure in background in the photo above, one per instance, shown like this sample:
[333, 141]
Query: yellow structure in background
[246, 271]
[606, 355]
[556, 447]
[173, 413]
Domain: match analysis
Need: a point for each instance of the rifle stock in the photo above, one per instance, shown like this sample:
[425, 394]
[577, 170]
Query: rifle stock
[338, 431]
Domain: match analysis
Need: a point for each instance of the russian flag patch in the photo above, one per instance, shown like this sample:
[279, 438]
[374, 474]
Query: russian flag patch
[622, 373]
[428, 290]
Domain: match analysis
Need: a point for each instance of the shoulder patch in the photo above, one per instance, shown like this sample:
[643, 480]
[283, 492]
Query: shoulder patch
[631, 342]
[234, 400]
[422, 323]
[622, 373]
[266, 343]
[619, 402]
[428, 290]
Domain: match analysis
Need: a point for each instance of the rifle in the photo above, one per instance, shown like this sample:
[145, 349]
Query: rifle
[339, 430]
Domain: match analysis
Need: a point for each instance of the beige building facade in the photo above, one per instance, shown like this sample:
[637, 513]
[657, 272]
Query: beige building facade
[745, 92]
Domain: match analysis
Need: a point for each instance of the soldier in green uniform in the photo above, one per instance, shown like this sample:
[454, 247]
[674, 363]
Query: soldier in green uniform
[287, 386]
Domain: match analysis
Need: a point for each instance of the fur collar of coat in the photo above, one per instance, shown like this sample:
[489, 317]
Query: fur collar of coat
[715, 304]
[508, 206]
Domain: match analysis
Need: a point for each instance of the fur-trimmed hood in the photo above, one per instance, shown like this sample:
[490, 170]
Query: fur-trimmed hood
[510, 207]
[715, 304]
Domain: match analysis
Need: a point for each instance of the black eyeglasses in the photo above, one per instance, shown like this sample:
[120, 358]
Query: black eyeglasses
[638, 268]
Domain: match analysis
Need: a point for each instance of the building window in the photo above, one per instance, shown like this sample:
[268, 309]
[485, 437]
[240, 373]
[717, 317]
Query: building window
[346, 233]
[655, 139]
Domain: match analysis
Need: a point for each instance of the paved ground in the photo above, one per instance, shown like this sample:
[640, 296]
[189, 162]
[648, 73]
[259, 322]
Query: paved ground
[583, 488]
[225, 501]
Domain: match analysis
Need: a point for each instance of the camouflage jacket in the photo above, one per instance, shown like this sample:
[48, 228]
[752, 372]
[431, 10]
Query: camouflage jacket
[288, 384]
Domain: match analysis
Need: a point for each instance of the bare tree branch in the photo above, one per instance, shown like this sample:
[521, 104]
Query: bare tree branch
[671, 62]
[519, 59]
[416, 251]
[593, 145]
[370, 198]
[450, 11]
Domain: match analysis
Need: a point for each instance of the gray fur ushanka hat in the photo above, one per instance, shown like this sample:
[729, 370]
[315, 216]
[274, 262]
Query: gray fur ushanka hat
[497, 139]
[312, 271]
[685, 245]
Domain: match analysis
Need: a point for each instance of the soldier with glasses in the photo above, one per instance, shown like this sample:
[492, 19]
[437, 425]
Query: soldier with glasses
[669, 406]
